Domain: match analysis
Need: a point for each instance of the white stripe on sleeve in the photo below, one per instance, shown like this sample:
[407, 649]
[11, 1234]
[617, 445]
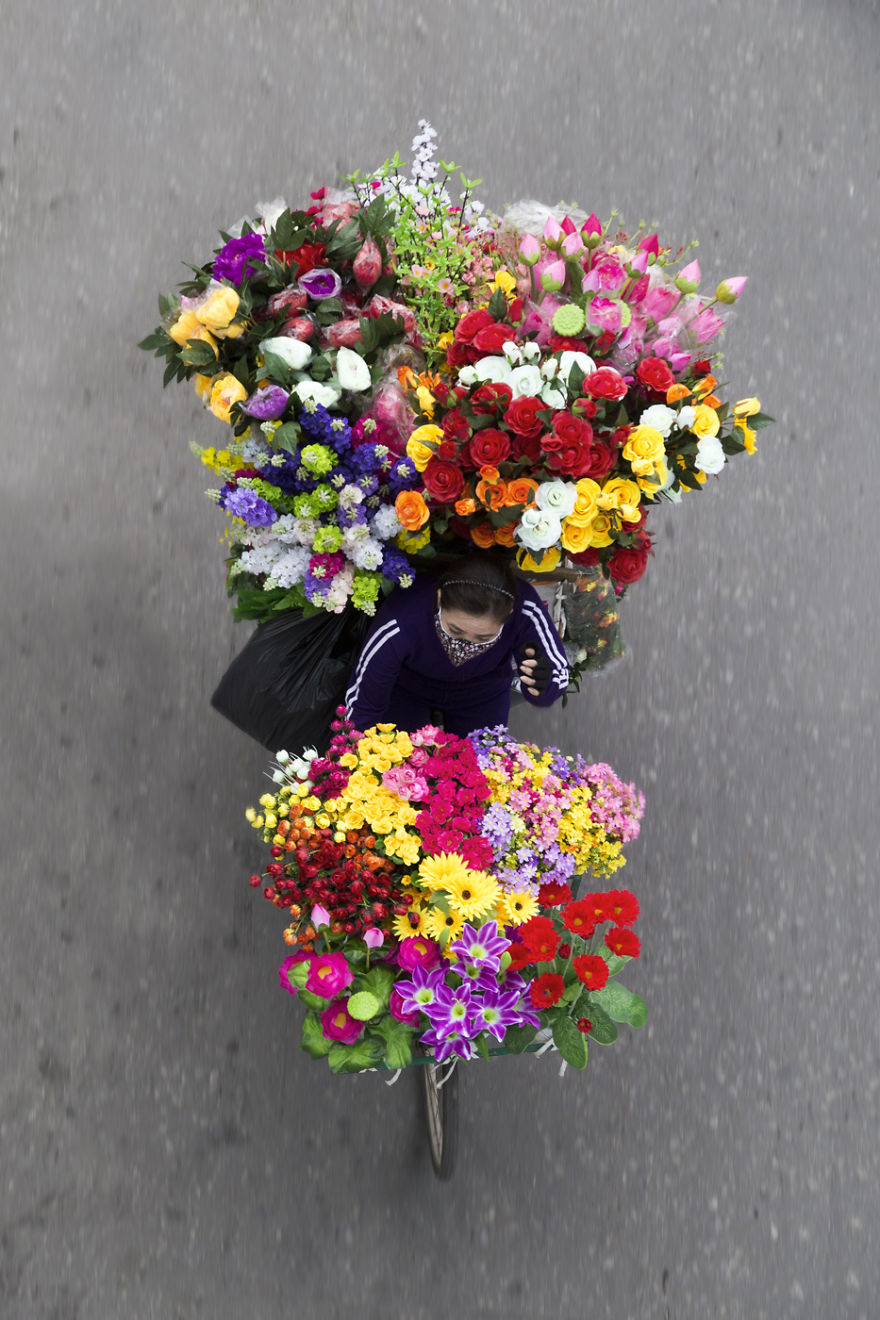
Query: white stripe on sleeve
[538, 616]
[370, 651]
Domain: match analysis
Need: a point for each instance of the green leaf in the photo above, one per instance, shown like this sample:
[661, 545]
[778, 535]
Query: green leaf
[364, 1053]
[398, 1038]
[759, 421]
[378, 981]
[731, 446]
[571, 1043]
[498, 305]
[287, 437]
[313, 1040]
[197, 353]
[318, 1002]
[363, 1005]
[157, 340]
[298, 974]
[482, 1046]
[277, 369]
[516, 1039]
[604, 1031]
[620, 1004]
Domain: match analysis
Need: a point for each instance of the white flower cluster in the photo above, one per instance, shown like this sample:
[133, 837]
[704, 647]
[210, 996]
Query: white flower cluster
[517, 367]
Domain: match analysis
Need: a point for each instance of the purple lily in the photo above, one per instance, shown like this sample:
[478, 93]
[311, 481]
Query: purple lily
[419, 992]
[480, 948]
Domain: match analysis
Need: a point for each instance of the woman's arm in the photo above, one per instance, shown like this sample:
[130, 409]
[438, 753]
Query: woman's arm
[375, 674]
[540, 655]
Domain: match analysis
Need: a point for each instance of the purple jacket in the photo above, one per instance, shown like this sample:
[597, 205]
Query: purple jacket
[402, 650]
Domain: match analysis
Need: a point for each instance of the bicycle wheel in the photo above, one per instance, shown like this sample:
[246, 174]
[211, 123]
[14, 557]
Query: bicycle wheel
[441, 1116]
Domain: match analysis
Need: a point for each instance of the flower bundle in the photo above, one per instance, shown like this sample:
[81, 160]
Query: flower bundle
[579, 396]
[429, 884]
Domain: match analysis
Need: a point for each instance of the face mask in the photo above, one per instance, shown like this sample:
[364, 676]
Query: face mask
[458, 649]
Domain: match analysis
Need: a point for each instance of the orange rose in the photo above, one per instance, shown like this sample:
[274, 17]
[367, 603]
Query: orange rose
[521, 491]
[466, 506]
[490, 474]
[705, 385]
[504, 535]
[676, 392]
[411, 509]
[492, 495]
[483, 535]
[712, 401]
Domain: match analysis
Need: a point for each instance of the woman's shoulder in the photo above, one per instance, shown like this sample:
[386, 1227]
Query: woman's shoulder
[407, 604]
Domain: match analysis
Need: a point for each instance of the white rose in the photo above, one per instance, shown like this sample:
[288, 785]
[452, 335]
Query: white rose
[549, 368]
[494, 368]
[326, 395]
[570, 359]
[352, 371]
[530, 351]
[660, 417]
[526, 382]
[538, 529]
[292, 351]
[467, 376]
[553, 397]
[710, 455]
[558, 497]
[511, 352]
[686, 418]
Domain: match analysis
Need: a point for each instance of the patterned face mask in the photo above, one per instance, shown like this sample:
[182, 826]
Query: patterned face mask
[458, 649]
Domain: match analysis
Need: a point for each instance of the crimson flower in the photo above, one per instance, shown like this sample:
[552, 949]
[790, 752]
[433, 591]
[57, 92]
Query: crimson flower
[621, 906]
[552, 893]
[591, 970]
[539, 936]
[546, 990]
[625, 943]
[579, 918]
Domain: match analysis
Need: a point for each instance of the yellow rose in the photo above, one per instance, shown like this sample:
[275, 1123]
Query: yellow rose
[585, 506]
[545, 564]
[186, 327]
[650, 481]
[622, 494]
[426, 400]
[226, 391]
[218, 309]
[746, 408]
[503, 280]
[204, 385]
[575, 536]
[643, 449]
[420, 445]
[600, 531]
[748, 435]
[705, 421]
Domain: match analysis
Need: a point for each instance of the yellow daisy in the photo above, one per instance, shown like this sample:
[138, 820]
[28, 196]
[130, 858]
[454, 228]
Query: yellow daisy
[472, 895]
[516, 906]
[435, 922]
[439, 871]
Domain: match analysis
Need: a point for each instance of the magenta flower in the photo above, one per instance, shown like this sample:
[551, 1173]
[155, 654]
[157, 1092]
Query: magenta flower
[329, 974]
[399, 1011]
[320, 283]
[337, 1023]
[374, 938]
[418, 951]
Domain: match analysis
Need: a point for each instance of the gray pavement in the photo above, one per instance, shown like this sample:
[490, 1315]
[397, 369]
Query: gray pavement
[166, 1151]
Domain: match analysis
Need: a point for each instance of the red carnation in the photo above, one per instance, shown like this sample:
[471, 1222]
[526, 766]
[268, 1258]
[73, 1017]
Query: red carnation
[654, 373]
[539, 936]
[591, 970]
[547, 990]
[306, 256]
[572, 460]
[628, 564]
[489, 447]
[622, 907]
[444, 482]
[471, 324]
[605, 383]
[552, 893]
[492, 338]
[522, 416]
[587, 558]
[477, 852]
[584, 1025]
[519, 956]
[625, 943]
[703, 367]
[572, 429]
[563, 343]
[579, 918]
[598, 907]
[490, 397]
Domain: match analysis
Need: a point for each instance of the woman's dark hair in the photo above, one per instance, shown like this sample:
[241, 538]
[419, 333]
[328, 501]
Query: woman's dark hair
[480, 584]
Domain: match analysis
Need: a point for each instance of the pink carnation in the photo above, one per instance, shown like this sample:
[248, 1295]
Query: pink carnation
[329, 974]
[337, 1023]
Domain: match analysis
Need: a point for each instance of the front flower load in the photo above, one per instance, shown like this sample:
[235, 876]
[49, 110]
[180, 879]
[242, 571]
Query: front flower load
[430, 885]
[401, 371]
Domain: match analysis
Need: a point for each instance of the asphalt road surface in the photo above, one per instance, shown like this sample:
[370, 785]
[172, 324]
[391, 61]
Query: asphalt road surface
[167, 1152]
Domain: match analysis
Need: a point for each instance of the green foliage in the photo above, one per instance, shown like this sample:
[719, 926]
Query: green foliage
[517, 1039]
[604, 1031]
[620, 1004]
[312, 1039]
[364, 1053]
[571, 1043]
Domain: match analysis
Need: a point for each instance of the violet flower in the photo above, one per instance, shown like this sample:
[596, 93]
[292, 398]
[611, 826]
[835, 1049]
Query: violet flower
[239, 258]
[319, 283]
[267, 404]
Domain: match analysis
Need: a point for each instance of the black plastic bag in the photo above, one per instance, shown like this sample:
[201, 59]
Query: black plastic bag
[284, 686]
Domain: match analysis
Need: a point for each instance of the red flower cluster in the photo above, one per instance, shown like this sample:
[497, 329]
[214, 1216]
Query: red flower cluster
[449, 822]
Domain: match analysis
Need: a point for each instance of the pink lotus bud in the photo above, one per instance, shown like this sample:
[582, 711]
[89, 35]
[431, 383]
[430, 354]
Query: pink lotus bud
[379, 305]
[529, 249]
[298, 327]
[592, 225]
[553, 277]
[572, 244]
[640, 262]
[568, 225]
[320, 916]
[367, 265]
[689, 279]
[373, 938]
[343, 334]
[553, 234]
[651, 245]
[729, 290]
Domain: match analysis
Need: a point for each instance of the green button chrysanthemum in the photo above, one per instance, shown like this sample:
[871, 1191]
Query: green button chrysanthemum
[568, 320]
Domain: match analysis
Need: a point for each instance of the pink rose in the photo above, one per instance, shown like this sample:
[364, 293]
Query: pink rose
[337, 1023]
[399, 1013]
[329, 974]
[418, 951]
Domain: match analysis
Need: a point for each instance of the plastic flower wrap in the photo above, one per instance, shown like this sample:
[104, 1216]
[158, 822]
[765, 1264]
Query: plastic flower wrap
[430, 887]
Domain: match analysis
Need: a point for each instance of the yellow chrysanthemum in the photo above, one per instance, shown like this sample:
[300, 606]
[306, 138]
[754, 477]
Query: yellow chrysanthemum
[436, 922]
[516, 906]
[473, 895]
[440, 871]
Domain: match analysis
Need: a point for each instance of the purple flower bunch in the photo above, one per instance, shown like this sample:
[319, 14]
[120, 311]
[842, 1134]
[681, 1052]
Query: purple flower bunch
[239, 258]
[473, 997]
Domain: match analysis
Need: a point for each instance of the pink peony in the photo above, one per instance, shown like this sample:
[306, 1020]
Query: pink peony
[300, 956]
[337, 1023]
[329, 974]
[399, 1013]
[418, 951]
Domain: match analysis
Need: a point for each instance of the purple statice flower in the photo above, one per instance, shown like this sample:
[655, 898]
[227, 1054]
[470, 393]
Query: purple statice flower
[480, 948]
[248, 506]
[395, 565]
[368, 484]
[402, 476]
[267, 403]
[366, 458]
[316, 422]
[339, 435]
[351, 515]
[239, 258]
[319, 283]
[283, 474]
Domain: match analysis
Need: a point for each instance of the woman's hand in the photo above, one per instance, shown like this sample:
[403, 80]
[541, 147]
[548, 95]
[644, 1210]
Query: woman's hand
[534, 671]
